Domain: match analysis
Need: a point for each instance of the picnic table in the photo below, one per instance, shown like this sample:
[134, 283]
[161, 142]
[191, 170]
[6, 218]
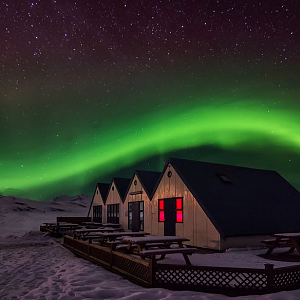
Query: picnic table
[66, 226]
[84, 232]
[91, 223]
[111, 225]
[54, 224]
[48, 224]
[281, 240]
[111, 238]
[145, 246]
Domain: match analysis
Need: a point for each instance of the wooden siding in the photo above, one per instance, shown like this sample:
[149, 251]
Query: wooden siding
[133, 198]
[97, 200]
[113, 197]
[196, 225]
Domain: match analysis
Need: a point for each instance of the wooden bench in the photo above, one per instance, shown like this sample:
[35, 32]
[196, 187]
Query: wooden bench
[116, 245]
[154, 245]
[274, 243]
[163, 252]
[119, 245]
[91, 237]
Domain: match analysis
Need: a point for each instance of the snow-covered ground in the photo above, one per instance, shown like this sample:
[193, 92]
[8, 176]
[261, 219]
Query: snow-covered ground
[35, 266]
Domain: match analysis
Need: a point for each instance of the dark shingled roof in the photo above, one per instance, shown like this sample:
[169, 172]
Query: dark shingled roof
[122, 185]
[148, 180]
[242, 201]
[103, 188]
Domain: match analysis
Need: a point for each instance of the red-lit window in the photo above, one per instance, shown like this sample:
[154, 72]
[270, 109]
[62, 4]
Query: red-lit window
[179, 216]
[179, 210]
[161, 204]
[179, 203]
[161, 212]
[161, 216]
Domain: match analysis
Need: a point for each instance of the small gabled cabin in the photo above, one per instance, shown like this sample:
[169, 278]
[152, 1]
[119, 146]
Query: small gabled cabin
[221, 206]
[98, 202]
[114, 207]
[137, 216]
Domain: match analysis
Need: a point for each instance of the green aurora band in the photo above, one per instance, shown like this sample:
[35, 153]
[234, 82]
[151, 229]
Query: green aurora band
[225, 125]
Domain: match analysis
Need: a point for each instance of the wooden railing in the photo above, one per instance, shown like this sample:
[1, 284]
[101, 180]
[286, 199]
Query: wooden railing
[229, 281]
[137, 270]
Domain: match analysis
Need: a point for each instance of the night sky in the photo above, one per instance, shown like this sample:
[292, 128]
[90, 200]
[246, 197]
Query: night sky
[95, 89]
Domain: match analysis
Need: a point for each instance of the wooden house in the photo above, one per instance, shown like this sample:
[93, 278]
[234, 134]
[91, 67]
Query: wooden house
[114, 207]
[221, 206]
[137, 211]
[98, 202]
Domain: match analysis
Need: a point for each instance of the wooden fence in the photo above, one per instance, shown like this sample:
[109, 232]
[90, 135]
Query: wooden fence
[136, 269]
[225, 280]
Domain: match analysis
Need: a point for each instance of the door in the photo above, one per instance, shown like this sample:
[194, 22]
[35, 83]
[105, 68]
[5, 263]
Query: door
[97, 213]
[170, 217]
[135, 208]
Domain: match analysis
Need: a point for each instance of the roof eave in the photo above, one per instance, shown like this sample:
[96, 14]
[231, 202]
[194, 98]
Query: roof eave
[92, 200]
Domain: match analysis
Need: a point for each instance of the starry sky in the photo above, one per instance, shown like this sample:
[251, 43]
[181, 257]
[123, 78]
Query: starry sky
[94, 89]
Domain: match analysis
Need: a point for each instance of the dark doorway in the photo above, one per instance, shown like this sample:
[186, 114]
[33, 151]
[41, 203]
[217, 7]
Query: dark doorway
[135, 208]
[97, 213]
[170, 216]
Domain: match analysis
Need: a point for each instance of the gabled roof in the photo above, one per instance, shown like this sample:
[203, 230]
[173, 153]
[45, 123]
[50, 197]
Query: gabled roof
[148, 180]
[103, 188]
[241, 201]
[122, 186]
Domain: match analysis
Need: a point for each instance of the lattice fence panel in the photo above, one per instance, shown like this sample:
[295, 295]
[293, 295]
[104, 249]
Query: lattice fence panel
[287, 279]
[133, 268]
[100, 254]
[210, 279]
[81, 246]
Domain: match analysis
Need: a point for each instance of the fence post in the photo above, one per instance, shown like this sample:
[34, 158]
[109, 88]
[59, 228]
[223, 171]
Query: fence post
[270, 277]
[152, 269]
[111, 260]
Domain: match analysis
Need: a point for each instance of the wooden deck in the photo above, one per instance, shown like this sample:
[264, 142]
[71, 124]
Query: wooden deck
[224, 280]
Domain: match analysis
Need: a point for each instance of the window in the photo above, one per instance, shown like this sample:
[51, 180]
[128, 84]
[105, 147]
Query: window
[141, 215]
[129, 215]
[178, 210]
[97, 213]
[161, 210]
[113, 213]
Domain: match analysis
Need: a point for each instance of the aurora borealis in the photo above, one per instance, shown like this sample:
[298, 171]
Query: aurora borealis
[95, 89]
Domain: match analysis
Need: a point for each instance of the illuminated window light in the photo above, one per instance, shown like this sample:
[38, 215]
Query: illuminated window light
[179, 218]
[161, 216]
[179, 203]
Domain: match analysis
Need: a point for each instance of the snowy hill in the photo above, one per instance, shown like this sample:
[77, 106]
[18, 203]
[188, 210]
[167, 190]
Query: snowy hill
[19, 215]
